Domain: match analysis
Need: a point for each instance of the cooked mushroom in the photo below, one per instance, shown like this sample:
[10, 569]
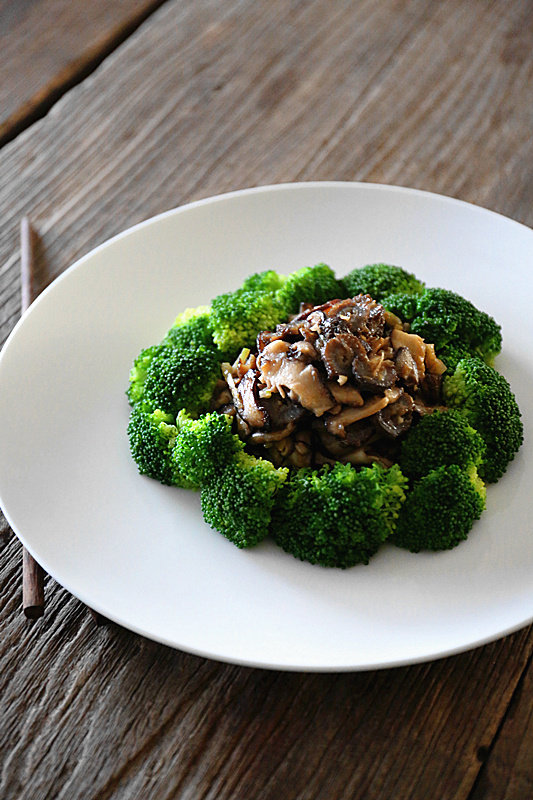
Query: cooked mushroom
[406, 367]
[367, 316]
[282, 412]
[221, 395]
[338, 354]
[300, 457]
[359, 432]
[263, 437]
[243, 429]
[233, 389]
[396, 418]
[415, 344]
[255, 415]
[302, 382]
[303, 350]
[432, 387]
[372, 374]
[392, 320]
[346, 394]
[359, 315]
[338, 382]
[337, 424]
[433, 364]
[356, 435]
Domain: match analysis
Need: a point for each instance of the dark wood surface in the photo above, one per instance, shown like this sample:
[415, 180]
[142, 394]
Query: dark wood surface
[198, 99]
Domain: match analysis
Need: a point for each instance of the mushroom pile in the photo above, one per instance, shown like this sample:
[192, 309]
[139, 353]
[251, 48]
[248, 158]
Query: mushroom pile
[339, 382]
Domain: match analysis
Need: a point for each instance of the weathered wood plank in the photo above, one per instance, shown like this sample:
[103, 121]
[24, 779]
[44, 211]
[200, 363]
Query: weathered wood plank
[466, 80]
[507, 773]
[205, 98]
[49, 45]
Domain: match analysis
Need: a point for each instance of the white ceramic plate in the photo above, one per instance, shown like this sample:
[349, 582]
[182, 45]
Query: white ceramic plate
[139, 552]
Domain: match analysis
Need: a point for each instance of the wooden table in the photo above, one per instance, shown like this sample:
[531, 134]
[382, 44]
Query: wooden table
[114, 111]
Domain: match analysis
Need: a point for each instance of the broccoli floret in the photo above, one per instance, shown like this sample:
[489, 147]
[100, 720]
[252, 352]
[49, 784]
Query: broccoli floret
[453, 324]
[452, 354]
[440, 509]
[237, 489]
[204, 446]
[402, 305]
[445, 318]
[264, 300]
[138, 372]
[181, 378]
[192, 314]
[380, 280]
[152, 436]
[192, 328]
[338, 516]
[267, 281]
[315, 285]
[238, 317]
[485, 399]
[238, 500]
[438, 440]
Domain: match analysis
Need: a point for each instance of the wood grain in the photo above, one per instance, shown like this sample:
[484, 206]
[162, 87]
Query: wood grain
[49, 45]
[506, 773]
[205, 98]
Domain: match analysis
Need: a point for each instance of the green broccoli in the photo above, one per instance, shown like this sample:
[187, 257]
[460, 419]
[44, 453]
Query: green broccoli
[445, 318]
[204, 445]
[451, 354]
[264, 300]
[315, 285]
[401, 304]
[181, 378]
[237, 317]
[438, 440]
[192, 328]
[152, 436]
[380, 280]
[267, 281]
[440, 509]
[485, 399]
[191, 314]
[135, 390]
[238, 500]
[237, 489]
[338, 516]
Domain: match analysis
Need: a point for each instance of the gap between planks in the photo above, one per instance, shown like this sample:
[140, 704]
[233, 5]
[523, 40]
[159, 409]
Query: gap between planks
[72, 75]
[477, 791]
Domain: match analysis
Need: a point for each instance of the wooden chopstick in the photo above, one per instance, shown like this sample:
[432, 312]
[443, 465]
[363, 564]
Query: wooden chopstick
[32, 572]
[32, 586]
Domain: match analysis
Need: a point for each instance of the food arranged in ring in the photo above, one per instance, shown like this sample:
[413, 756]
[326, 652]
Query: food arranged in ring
[331, 414]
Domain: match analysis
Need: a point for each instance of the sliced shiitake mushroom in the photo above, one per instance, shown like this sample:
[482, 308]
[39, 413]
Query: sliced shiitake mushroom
[396, 418]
